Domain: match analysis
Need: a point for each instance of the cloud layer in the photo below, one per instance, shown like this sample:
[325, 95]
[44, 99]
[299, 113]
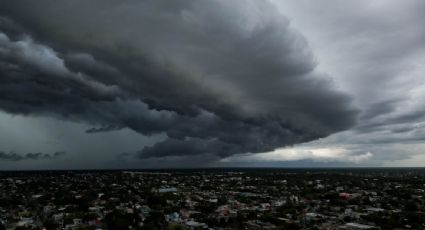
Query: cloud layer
[304, 153]
[376, 52]
[219, 77]
[12, 156]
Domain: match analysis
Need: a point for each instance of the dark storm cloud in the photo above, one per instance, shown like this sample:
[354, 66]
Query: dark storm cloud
[218, 78]
[104, 129]
[192, 146]
[12, 156]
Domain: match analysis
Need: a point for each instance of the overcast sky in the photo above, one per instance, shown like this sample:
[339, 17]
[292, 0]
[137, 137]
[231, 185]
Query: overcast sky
[145, 84]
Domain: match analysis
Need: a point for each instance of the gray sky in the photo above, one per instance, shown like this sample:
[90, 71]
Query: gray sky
[141, 84]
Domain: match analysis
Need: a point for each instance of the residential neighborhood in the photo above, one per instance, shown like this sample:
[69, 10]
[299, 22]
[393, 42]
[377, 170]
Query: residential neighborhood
[213, 199]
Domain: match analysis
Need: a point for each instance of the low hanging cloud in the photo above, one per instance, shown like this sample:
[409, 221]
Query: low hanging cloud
[218, 77]
[12, 156]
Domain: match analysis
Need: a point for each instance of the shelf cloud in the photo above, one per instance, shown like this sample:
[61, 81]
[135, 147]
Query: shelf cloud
[216, 77]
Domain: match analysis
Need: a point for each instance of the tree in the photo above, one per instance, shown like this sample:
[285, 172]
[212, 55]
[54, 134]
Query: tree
[156, 220]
